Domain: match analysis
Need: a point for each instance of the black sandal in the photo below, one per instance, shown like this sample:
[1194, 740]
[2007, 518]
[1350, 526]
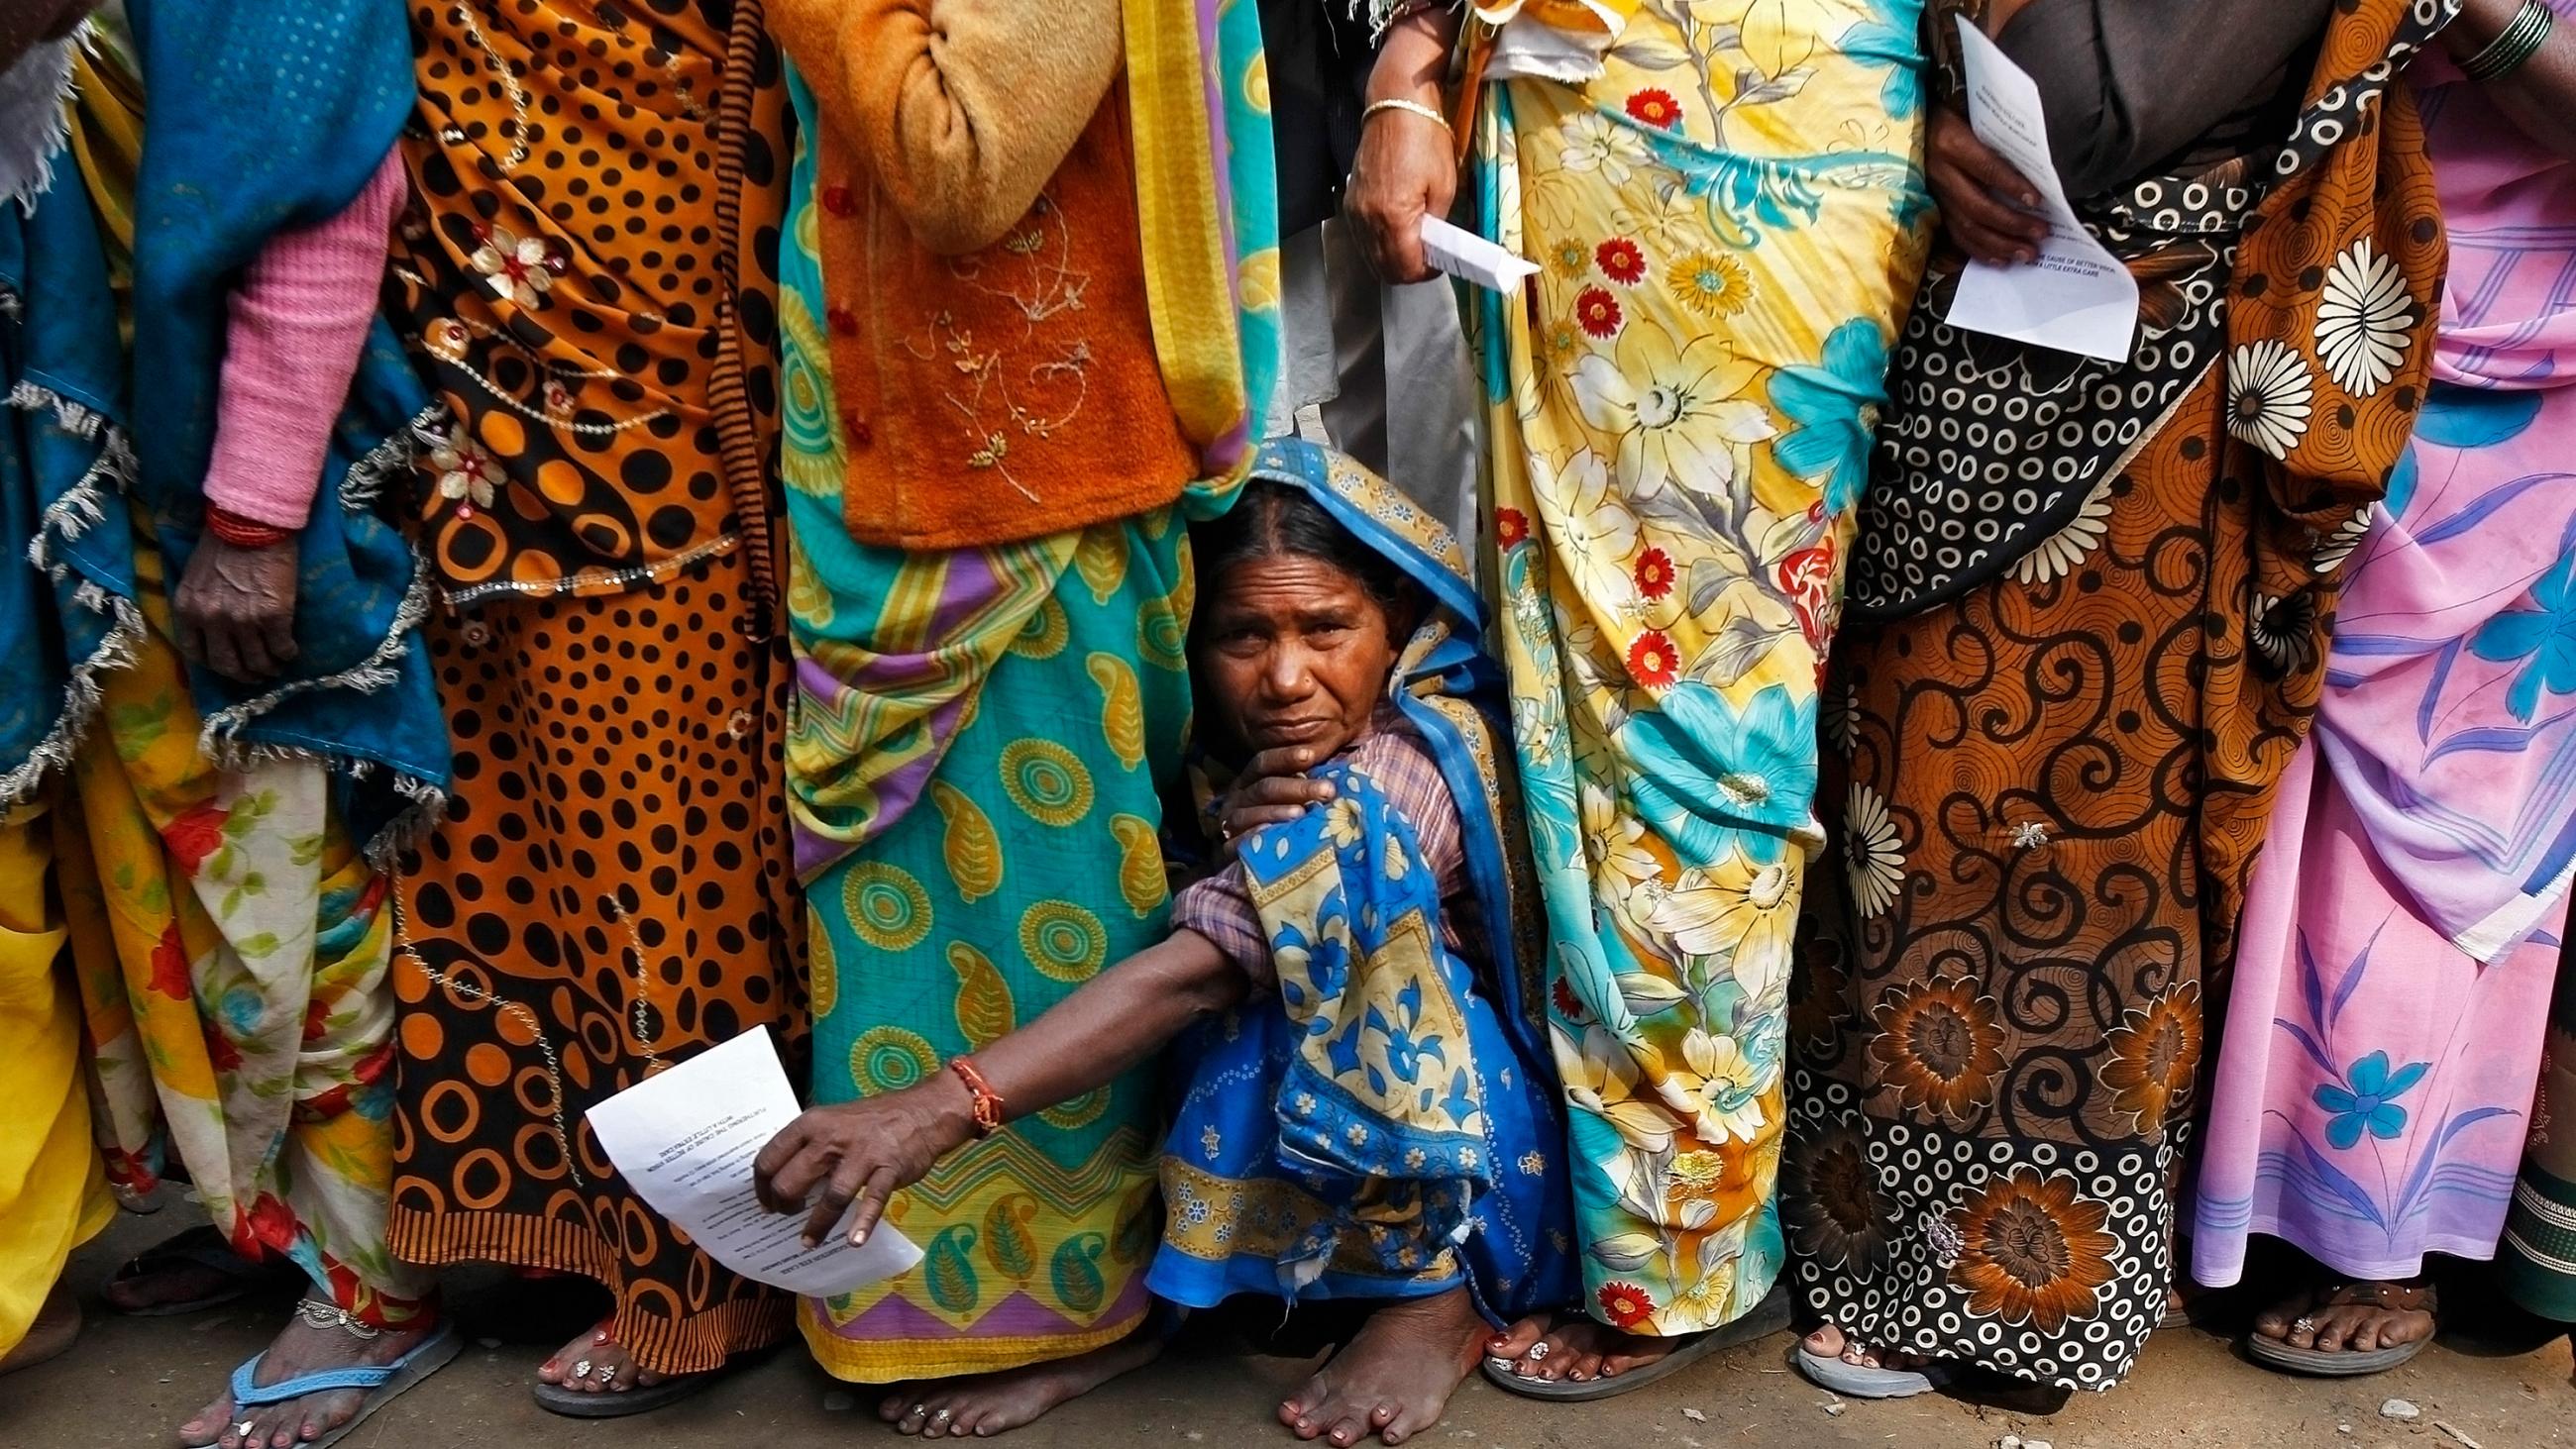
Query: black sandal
[2348, 1363]
[198, 1247]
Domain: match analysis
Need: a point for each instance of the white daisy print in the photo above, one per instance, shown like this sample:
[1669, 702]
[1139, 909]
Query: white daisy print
[2268, 396]
[2338, 545]
[466, 471]
[1594, 142]
[1874, 856]
[2059, 553]
[2284, 630]
[1842, 718]
[2363, 317]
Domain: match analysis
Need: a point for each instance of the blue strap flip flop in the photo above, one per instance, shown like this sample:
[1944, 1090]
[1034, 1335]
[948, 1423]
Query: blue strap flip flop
[383, 1383]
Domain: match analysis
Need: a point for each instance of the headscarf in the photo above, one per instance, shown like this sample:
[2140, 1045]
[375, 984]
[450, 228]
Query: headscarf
[1415, 1108]
[271, 115]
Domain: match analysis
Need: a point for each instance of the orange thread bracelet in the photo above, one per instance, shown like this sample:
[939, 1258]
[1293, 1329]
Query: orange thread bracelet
[243, 532]
[988, 1103]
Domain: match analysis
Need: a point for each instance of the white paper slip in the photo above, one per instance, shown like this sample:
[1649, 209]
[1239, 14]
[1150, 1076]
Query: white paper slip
[686, 1138]
[2076, 297]
[1471, 258]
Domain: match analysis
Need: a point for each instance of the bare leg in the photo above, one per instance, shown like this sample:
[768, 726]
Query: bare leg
[983, 1405]
[1394, 1379]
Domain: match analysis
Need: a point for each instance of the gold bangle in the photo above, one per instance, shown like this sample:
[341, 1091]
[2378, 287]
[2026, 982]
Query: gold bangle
[1410, 108]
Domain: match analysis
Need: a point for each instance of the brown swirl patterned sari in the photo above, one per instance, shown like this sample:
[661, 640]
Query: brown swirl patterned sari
[2057, 752]
[587, 279]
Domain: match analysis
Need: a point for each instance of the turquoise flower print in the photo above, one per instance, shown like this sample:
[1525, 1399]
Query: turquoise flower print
[2369, 1100]
[1891, 37]
[2546, 636]
[1713, 779]
[1835, 407]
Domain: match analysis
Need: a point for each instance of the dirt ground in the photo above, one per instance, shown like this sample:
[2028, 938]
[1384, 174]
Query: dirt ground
[131, 1380]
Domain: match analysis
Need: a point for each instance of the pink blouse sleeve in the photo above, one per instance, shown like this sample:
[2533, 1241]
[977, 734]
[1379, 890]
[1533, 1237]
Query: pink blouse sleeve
[299, 323]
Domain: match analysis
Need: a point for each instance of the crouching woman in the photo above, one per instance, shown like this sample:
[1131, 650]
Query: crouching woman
[1363, 1108]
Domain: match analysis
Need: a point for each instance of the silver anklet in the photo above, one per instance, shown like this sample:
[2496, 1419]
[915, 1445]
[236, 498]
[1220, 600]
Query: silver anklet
[318, 1314]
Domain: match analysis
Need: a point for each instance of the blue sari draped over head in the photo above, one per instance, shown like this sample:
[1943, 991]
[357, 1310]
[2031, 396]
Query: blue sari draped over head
[265, 115]
[1387, 1124]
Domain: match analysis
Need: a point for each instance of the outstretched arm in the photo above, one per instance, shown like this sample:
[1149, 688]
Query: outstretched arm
[862, 1151]
[963, 109]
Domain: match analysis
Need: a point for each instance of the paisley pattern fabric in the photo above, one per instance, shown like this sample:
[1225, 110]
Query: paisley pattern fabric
[2053, 787]
[1731, 222]
[1026, 694]
[1384, 1123]
[580, 276]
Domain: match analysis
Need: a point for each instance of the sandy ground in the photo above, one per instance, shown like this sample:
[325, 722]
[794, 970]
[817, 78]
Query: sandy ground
[131, 1380]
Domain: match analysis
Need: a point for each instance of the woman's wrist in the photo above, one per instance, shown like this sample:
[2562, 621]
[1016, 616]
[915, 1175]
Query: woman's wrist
[1413, 61]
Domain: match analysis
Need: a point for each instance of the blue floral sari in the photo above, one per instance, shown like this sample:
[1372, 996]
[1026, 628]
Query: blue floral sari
[1385, 1125]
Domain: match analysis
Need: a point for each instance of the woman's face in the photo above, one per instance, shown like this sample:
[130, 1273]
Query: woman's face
[1294, 653]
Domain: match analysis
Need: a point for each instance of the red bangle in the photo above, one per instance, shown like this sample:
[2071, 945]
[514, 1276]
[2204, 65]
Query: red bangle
[243, 532]
[988, 1103]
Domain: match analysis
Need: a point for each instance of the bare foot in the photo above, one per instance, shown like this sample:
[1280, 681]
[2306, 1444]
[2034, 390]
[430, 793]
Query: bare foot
[596, 1363]
[1395, 1377]
[1831, 1342]
[2351, 1317]
[1574, 1347]
[983, 1405]
[57, 1324]
[300, 1348]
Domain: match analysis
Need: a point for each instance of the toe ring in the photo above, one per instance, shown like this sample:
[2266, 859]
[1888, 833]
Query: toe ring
[1537, 1351]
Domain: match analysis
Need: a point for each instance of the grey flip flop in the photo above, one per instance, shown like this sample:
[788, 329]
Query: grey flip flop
[1768, 1317]
[2350, 1363]
[1859, 1381]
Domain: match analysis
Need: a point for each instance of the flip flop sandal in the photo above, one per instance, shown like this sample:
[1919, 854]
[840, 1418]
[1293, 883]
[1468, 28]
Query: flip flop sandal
[383, 1383]
[201, 1247]
[1859, 1381]
[2350, 1363]
[1768, 1317]
[618, 1403]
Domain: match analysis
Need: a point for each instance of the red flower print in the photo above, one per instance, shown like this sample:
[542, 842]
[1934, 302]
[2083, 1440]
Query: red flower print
[1655, 107]
[1654, 573]
[1652, 661]
[170, 974]
[1621, 260]
[1597, 311]
[1807, 577]
[1625, 1304]
[195, 835]
[1511, 526]
[221, 1054]
[317, 1018]
[1563, 996]
[272, 1222]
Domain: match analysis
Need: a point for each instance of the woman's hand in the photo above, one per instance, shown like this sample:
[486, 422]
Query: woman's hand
[1272, 789]
[1407, 167]
[862, 1151]
[1983, 199]
[236, 608]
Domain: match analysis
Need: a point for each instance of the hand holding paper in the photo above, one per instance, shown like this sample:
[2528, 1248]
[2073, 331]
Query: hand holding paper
[1470, 258]
[686, 1139]
[2076, 296]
